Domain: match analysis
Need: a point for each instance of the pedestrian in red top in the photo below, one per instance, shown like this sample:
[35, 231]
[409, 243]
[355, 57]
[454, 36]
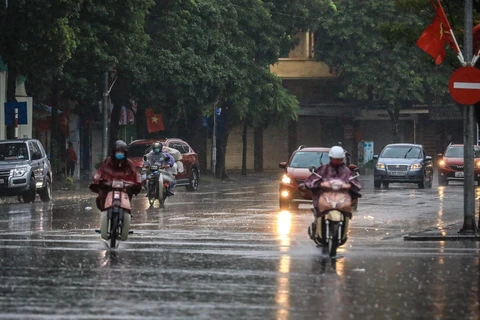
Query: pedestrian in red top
[71, 156]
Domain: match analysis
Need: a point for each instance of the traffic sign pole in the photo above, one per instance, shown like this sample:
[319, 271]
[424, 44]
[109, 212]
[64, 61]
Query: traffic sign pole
[468, 133]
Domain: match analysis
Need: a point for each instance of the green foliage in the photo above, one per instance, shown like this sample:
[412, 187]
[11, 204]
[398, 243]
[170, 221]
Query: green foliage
[374, 54]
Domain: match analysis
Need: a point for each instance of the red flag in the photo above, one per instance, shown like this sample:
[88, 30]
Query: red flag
[154, 121]
[436, 35]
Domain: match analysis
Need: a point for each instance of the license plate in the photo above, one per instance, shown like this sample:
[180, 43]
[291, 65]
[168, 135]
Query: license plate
[397, 173]
[458, 174]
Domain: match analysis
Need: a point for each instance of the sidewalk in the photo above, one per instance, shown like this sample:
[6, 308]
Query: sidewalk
[448, 233]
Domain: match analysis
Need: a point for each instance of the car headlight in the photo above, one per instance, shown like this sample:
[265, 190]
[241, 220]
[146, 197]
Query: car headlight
[477, 164]
[416, 166]
[19, 171]
[380, 166]
[286, 179]
[442, 163]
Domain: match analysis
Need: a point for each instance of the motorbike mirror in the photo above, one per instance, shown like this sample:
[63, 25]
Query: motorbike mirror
[312, 168]
[144, 158]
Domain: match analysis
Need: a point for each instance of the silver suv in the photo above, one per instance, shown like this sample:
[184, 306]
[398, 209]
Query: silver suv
[25, 170]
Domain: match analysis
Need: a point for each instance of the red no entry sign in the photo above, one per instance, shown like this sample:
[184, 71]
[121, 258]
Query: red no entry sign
[464, 85]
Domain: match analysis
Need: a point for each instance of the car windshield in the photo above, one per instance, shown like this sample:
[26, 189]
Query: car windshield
[13, 151]
[306, 159]
[457, 152]
[403, 152]
[138, 150]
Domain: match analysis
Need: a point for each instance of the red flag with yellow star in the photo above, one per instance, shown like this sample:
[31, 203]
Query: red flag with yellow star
[154, 121]
[436, 35]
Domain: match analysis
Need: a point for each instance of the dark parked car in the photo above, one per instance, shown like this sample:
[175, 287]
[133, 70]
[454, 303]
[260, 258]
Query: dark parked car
[403, 163]
[188, 178]
[450, 164]
[296, 172]
[25, 170]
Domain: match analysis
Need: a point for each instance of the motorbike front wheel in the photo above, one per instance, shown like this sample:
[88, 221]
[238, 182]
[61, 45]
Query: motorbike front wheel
[113, 231]
[151, 192]
[333, 241]
[161, 192]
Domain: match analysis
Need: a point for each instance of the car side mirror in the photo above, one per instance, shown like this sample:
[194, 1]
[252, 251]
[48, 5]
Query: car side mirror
[312, 168]
[375, 157]
[282, 165]
[48, 156]
[428, 158]
[439, 155]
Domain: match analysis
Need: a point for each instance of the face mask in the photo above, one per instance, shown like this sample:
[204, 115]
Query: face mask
[119, 156]
[156, 150]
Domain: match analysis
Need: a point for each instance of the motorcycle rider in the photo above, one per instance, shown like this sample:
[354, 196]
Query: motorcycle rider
[163, 159]
[116, 167]
[335, 169]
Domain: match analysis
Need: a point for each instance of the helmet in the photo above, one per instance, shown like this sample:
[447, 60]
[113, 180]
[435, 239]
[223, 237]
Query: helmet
[119, 145]
[336, 152]
[157, 147]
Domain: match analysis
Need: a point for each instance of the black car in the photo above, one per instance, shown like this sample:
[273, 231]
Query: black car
[403, 163]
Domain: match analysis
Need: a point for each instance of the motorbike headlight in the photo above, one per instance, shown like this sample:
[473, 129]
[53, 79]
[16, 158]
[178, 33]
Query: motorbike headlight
[19, 171]
[381, 166]
[416, 166]
[286, 179]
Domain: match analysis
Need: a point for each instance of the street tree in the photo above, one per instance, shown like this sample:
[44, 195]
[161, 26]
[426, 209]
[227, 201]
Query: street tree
[370, 46]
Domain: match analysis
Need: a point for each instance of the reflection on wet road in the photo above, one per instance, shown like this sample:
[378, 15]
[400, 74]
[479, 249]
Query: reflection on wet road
[227, 252]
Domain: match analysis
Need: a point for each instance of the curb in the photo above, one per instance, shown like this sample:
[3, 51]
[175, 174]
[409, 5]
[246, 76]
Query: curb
[440, 237]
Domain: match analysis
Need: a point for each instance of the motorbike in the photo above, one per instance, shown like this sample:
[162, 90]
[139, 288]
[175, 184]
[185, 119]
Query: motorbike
[330, 228]
[155, 185]
[115, 221]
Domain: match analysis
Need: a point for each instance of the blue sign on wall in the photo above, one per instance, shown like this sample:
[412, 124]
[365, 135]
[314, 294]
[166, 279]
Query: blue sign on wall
[10, 113]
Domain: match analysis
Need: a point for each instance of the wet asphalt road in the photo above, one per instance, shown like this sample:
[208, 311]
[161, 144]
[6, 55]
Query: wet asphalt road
[227, 252]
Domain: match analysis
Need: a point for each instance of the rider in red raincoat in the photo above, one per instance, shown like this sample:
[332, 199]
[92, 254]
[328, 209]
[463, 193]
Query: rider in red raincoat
[116, 167]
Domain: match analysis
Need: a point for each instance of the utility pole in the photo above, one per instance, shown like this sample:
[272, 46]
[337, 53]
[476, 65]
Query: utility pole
[105, 117]
[214, 139]
[468, 133]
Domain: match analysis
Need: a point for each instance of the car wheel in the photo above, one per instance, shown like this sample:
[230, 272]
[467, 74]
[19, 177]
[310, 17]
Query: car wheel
[377, 184]
[386, 184]
[294, 205]
[192, 181]
[442, 181]
[283, 204]
[46, 193]
[29, 195]
[423, 183]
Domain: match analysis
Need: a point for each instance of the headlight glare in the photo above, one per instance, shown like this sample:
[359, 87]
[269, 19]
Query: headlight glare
[381, 166]
[416, 166]
[19, 171]
[441, 163]
[286, 179]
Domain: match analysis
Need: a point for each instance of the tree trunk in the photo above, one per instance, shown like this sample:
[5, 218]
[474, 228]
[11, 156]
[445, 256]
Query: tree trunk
[57, 164]
[141, 121]
[394, 114]
[292, 137]
[11, 96]
[120, 97]
[258, 149]
[223, 130]
[244, 148]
